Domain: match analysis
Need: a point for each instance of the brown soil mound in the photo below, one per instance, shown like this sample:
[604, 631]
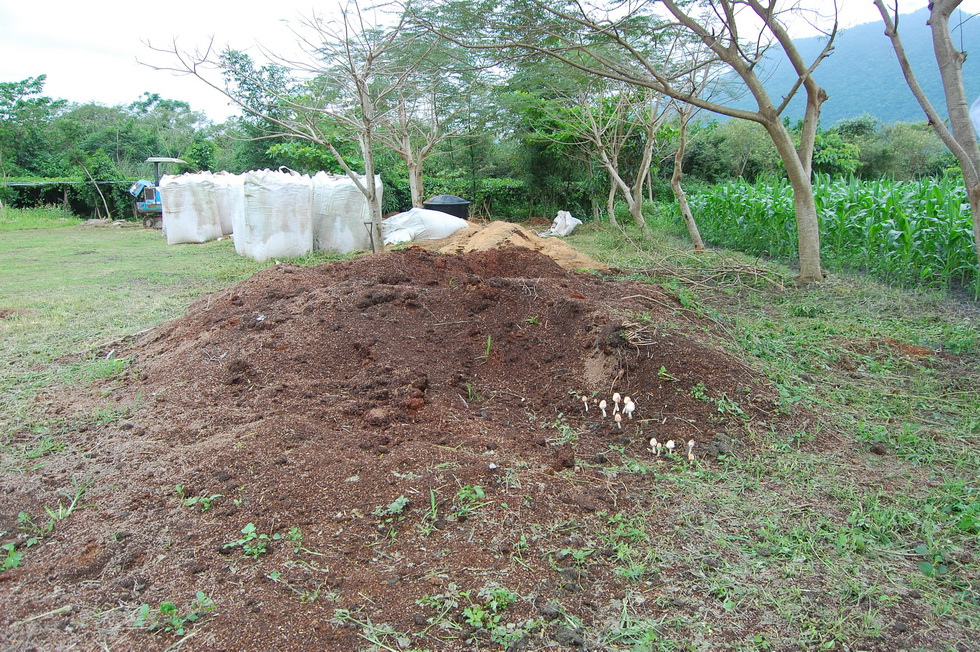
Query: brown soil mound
[417, 417]
[501, 234]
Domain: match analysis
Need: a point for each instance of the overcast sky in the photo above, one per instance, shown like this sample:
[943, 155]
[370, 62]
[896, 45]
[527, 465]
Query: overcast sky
[90, 51]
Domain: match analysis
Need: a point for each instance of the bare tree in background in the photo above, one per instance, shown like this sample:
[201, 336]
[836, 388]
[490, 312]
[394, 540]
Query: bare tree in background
[699, 80]
[958, 135]
[618, 40]
[352, 69]
[425, 114]
[602, 120]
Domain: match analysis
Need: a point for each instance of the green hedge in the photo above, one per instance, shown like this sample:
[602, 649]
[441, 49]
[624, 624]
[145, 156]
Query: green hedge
[79, 197]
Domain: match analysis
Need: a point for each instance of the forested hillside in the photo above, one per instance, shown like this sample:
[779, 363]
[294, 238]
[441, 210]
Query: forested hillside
[862, 75]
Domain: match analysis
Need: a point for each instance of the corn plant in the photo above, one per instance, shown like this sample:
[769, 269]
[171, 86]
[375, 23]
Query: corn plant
[909, 232]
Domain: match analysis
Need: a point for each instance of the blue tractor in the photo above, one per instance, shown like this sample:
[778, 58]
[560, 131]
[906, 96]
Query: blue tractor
[146, 194]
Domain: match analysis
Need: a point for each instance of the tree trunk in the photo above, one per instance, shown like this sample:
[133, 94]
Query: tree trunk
[368, 112]
[973, 192]
[633, 196]
[959, 137]
[950, 61]
[374, 204]
[611, 202]
[407, 152]
[635, 201]
[415, 183]
[675, 184]
[807, 224]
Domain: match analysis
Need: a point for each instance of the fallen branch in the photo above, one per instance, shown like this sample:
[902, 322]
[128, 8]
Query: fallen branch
[53, 612]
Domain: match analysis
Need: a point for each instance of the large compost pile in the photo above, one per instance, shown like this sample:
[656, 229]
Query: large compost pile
[376, 446]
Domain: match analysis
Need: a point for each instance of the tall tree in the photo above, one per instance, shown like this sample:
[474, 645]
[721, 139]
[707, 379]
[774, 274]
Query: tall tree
[959, 135]
[613, 39]
[25, 116]
[699, 82]
[604, 121]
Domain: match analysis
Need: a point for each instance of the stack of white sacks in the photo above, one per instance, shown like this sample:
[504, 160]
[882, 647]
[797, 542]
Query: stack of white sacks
[273, 214]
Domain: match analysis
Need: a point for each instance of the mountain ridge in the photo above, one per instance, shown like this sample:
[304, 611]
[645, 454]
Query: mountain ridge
[875, 85]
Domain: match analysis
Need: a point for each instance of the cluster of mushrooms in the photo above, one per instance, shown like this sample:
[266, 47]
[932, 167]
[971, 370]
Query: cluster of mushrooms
[659, 448]
[628, 407]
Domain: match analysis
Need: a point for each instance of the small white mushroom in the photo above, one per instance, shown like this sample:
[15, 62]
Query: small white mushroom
[628, 407]
[602, 406]
[670, 446]
[585, 402]
[653, 444]
[619, 421]
[616, 399]
[690, 450]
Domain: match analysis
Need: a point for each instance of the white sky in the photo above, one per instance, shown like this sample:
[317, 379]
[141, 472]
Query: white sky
[90, 50]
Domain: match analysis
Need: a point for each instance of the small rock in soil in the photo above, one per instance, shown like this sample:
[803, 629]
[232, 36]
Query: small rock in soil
[550, 611]
[720, 444]
[569, 637]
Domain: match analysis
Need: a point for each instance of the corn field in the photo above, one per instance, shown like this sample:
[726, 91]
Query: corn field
[909, 232]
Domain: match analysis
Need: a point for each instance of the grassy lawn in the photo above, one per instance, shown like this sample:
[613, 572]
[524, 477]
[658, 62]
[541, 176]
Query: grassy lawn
[868, 521]
[68, 294]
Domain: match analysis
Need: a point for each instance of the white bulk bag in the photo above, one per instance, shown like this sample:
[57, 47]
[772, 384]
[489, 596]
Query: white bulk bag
[439, 225]
[276, 221]
[403, 227]
[229, 195]
[341, 213]
[190, 213]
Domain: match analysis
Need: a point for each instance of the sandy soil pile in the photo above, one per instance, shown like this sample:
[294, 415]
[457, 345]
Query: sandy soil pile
[497, 234]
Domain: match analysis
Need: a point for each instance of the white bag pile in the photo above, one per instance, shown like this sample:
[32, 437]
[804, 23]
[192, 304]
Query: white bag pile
[341, 213]
[563, 225]
[272, 214]
[229, 193]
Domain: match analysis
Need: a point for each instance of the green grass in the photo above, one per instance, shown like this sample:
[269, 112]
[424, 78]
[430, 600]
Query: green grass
[823, 536]
[70, 296]
[48, 217]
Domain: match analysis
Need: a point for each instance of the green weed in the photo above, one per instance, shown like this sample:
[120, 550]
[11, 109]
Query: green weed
[202, 502]
[167, 617]
[468, 500]
[252, 542]
[382, 635]
[9, 557]
[56, 513]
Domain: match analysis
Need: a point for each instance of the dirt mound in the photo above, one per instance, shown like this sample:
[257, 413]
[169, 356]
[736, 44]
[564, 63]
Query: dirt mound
[501, 234]
[406, 430]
